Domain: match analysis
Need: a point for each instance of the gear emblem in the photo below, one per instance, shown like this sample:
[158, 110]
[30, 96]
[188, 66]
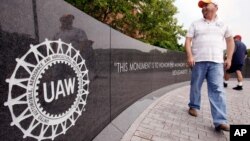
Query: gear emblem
[37, 91]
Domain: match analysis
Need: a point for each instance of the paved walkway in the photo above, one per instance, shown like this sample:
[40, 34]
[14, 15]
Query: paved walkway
[167, 119]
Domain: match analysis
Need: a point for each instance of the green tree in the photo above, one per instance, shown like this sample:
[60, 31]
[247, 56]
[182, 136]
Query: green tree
[151, 21]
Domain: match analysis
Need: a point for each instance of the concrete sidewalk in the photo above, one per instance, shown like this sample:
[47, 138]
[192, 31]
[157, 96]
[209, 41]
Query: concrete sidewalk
[167, 119]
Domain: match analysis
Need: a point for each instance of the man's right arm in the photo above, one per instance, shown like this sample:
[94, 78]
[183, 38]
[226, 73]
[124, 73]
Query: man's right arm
[230, 51]
[190, 59]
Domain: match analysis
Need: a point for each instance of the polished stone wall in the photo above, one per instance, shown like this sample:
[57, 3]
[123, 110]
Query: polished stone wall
[65, 76]
[246, 68]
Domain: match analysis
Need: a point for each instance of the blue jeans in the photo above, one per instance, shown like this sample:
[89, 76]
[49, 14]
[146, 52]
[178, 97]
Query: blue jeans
[213, 73]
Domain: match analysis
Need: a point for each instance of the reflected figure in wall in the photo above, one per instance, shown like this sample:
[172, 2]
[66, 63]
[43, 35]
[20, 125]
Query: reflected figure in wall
[79, 40]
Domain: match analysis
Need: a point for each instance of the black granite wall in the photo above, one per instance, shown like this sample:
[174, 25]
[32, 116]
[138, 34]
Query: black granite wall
[65, 76]
[246, 68]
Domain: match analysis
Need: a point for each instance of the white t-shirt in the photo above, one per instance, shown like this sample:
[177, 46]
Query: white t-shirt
[208, 40]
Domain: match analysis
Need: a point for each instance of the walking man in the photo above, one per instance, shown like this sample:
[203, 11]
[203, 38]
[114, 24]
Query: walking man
[239, 56]
[205, 58]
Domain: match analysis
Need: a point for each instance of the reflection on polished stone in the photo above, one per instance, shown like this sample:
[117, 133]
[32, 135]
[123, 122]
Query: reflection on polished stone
[96, 73]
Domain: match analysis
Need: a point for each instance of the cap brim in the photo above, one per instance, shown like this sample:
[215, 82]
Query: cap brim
[201, 4]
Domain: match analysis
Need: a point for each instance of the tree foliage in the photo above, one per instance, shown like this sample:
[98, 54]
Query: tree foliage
[248, 52]
[151, 21]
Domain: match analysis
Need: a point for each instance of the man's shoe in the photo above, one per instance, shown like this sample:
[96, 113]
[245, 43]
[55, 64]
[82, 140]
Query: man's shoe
[223, 127]
[225, 84]
[238, 88]
[192, 112]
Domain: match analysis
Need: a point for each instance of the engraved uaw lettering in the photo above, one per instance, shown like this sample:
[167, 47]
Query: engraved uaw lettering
[63, 88]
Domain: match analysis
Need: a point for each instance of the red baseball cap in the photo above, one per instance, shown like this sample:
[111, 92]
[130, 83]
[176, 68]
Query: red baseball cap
[237, 37]
[202, 3]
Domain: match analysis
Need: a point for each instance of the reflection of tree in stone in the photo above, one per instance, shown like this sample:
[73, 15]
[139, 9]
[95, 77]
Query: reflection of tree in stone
[79, 40]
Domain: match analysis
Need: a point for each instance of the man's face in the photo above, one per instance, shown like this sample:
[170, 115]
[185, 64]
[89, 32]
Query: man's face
[67, 23]
[209, 11]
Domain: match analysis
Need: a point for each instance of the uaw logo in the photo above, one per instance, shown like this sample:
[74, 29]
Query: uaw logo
[48, 90]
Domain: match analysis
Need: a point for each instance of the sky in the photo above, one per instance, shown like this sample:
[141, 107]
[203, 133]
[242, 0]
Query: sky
[232, 12]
